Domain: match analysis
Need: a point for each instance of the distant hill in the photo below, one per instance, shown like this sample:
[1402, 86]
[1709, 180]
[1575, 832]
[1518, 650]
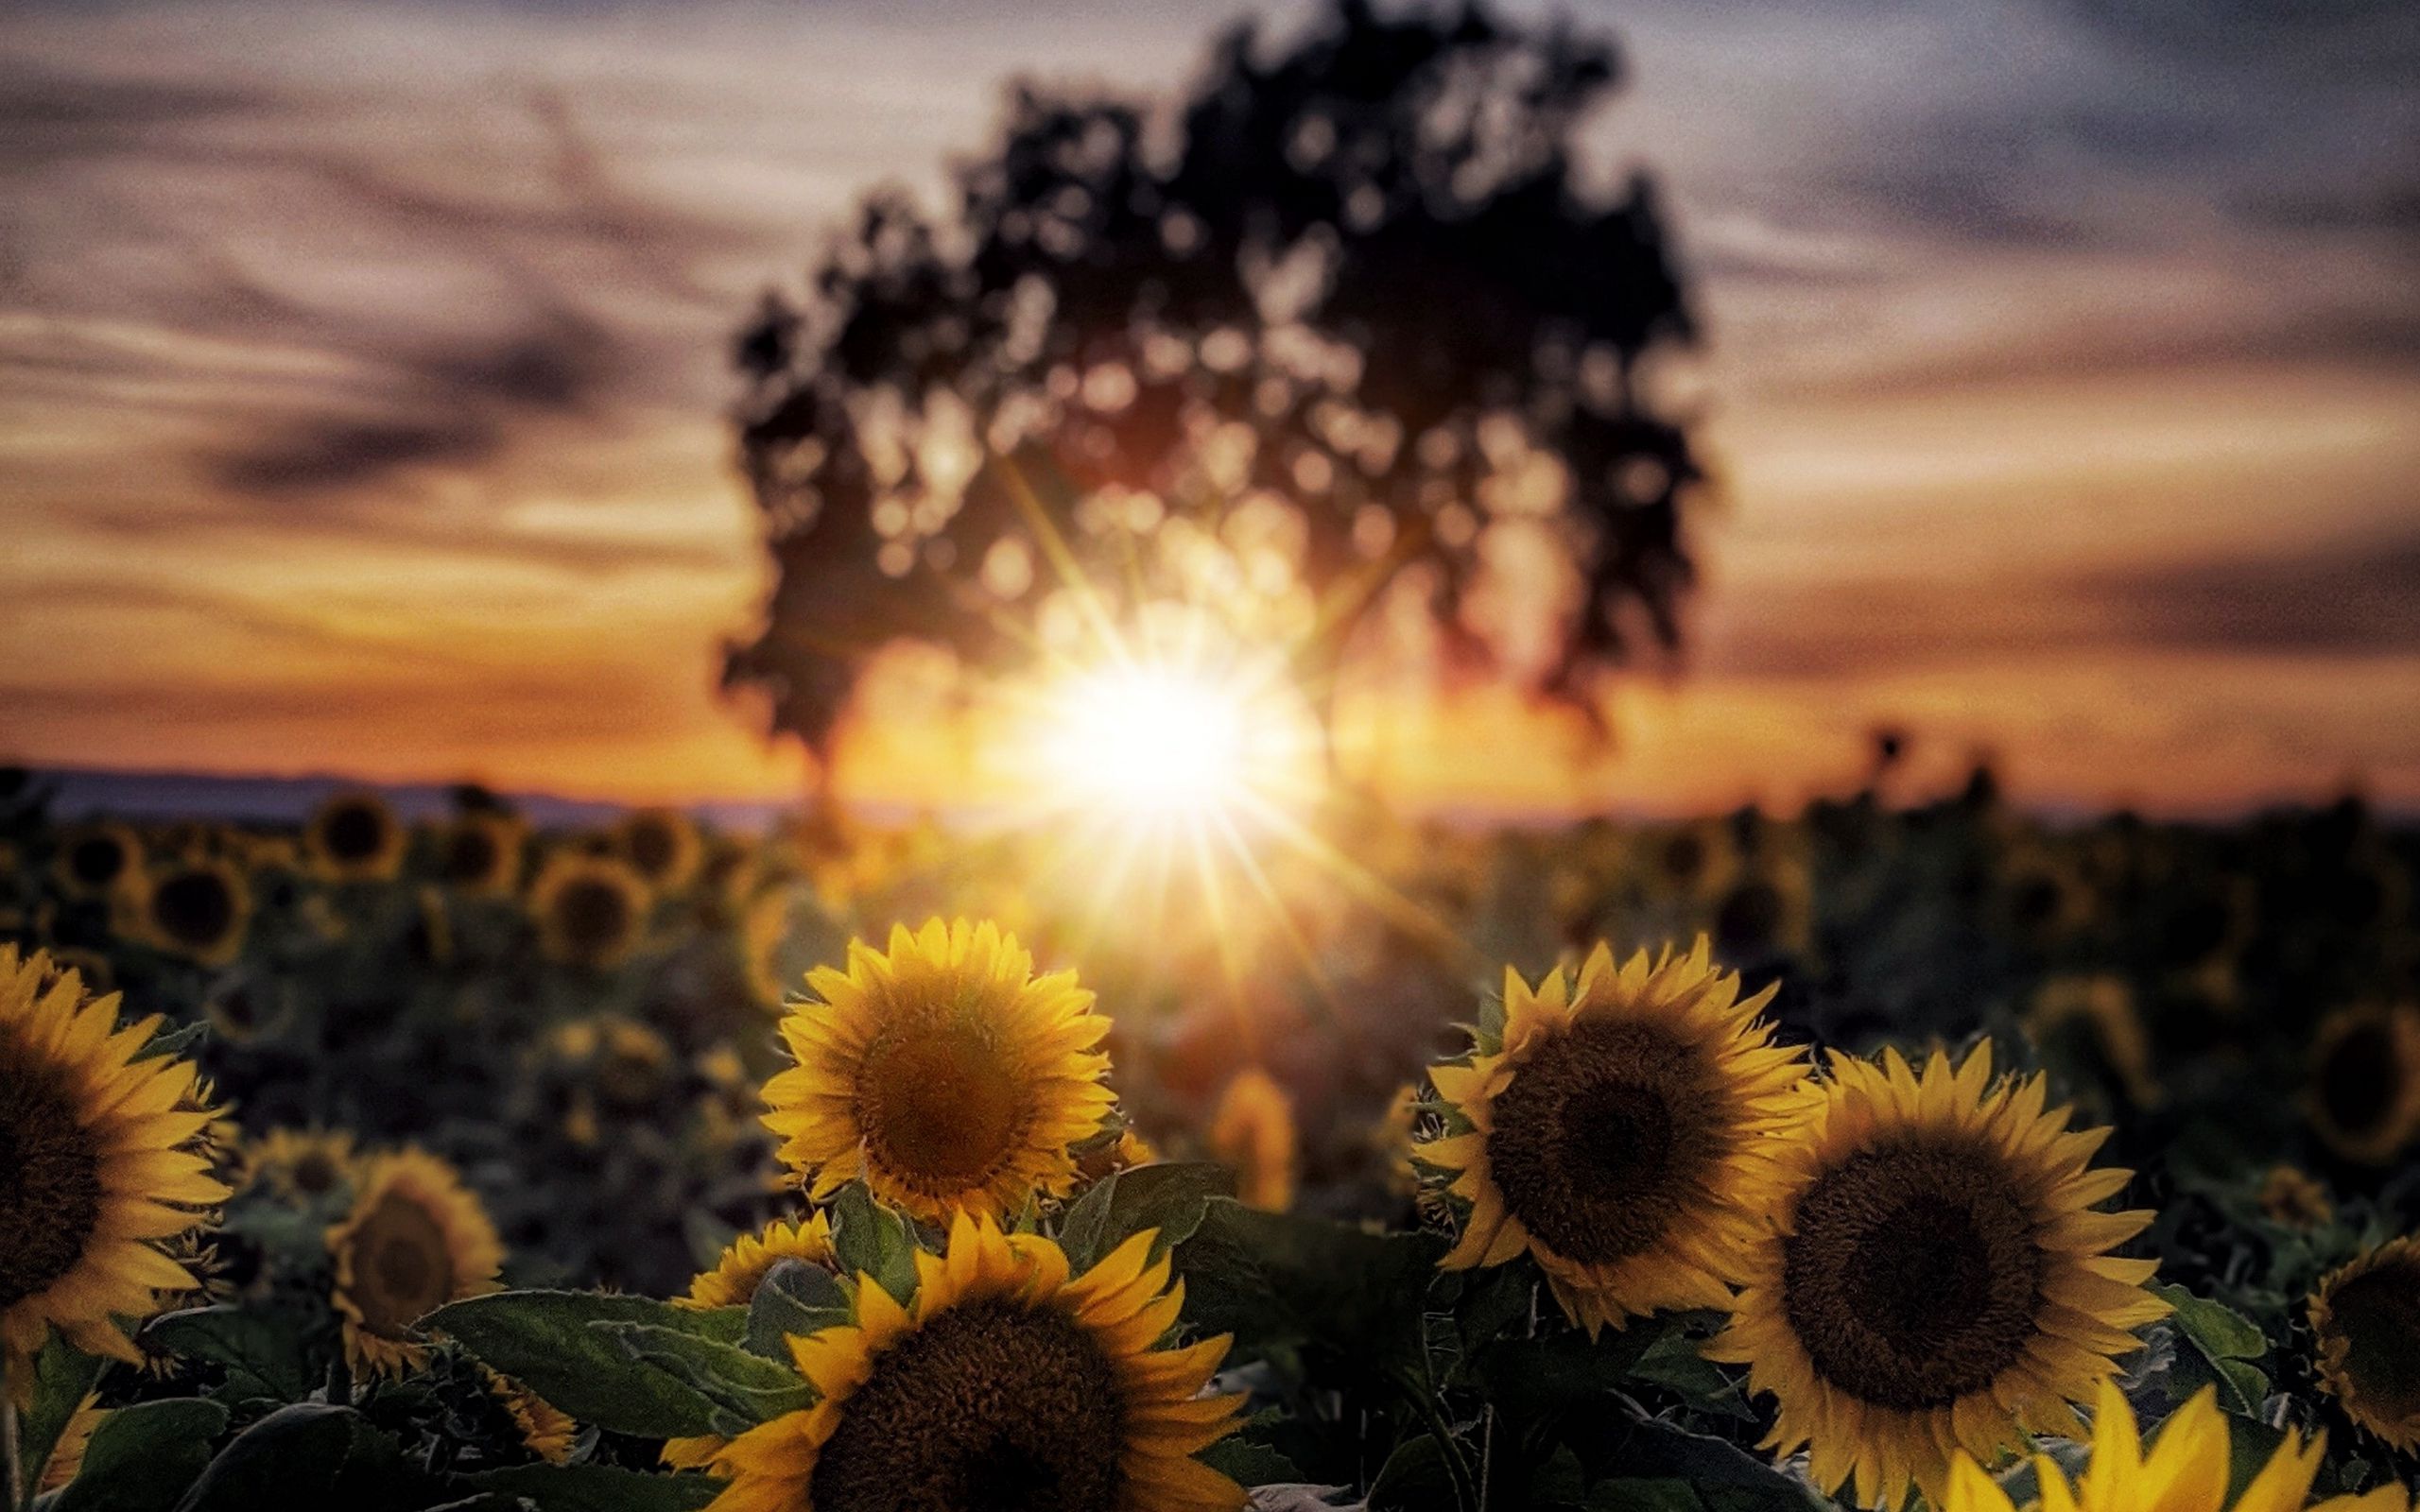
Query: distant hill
[78, 794]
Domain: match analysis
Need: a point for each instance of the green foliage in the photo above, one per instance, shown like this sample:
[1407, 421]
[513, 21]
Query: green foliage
[1169, 1198]
[794, 1298]
[596, 1488]
[262, 1350]
[307, 1454]
[2216, 1344]
[746, 1389]
[869, 1238]
[142, 1458]
[564, 1347]
[62, 1375]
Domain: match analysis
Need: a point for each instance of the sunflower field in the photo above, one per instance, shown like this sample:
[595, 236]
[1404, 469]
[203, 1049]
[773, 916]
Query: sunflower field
[1880, 1153]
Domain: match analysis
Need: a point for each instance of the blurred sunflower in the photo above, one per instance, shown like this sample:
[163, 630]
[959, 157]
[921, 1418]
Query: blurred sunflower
[354, 837]
[94, 860]
[944, 1073]
[590, 910]
[243, 1007]
[1625, 1133]
[1252, 1130]
[733, 1283]
[2364, 1094]
[2367, 1317]
[2185, 1471]
[415, 1240]
[1935, 1274]
[763, 929]
[198, 909]
[1005, 1383]
[1767, 908]
[545, 1431]
[301, 1165]
[479, 853]
[104, 1164]
[661, 844]
[2293, 1199]
[634, 1067]
[2102, 1009]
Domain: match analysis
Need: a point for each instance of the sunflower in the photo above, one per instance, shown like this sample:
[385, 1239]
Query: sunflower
[94, 860]
[590, 910]
[751, 1257]
[354, 837]
[545, 1431]
[733, 1283]
[944, 1072]
[479, 853]
[661, 844]
[2102, 1009]
[1625, 1133]
[2363, 1095]
[301, 1165]
[415, 1240]
[243, 1007]
[763, 929]
[197, 910]
[104, 1164]
[1935, 1276]
[2291, 1199]
[2185, 1471]
[1007, 1384]
[1253, 1129]
[2367, 1317]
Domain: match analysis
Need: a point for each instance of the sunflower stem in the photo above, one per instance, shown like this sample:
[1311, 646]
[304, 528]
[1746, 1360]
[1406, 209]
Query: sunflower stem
[8, 1451]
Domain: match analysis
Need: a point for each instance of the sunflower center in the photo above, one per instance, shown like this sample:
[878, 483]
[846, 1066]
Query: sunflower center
[471, 855]
[2377, 1313]
[1913, 1276]
[594, 915]
[50, 1174]
[652, 849]
[402, 1271]
[991, 1406]
[96, 861]
[315, 1173]
[1605, 1132]
[2357, 1082]
[1750, 916]
[194, 907]
[941, 1103]
[355, 832]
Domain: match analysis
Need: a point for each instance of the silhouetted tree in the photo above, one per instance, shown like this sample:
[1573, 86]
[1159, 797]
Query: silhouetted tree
[1352, 306]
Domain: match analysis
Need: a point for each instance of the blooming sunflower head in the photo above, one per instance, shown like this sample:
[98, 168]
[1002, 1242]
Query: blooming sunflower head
[301, 1165]
[1252, 1130]
[94, 860]
[354, 837]
[479, 853]
[752, 1257]
[1935, 1274]
[2367, 1318]
[2185, 1471]
[2364, 1094]
[1007, 1382]
[661, 844]
[414, 1239]
[942, 1071]
[198, 909]
[106, 1162]
[1625, 1132]
[590, 910]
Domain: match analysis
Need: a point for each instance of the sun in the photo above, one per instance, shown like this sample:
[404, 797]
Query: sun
[1160, 742]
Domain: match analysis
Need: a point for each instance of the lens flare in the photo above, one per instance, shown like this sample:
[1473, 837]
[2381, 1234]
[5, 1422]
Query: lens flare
[1153, 741]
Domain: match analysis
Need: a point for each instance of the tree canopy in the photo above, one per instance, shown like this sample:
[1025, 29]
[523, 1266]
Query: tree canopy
[1348, 329]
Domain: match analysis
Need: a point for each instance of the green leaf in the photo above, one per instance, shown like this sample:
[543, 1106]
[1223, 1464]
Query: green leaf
[794, 1298]
[175, 1041]
[1169, 1197]
[262, 1350]
[1248, 1464]
[1415, 1478]
[1279, 1282]
[2251, 1445]
[1636, 1494]
[746, 1389]
[544, 1340]
[2222, 1343]
[142, 1458]
[291, 1458]
[598, 1488]
[1673, 1361]
[62, 1375]
[870, 1240]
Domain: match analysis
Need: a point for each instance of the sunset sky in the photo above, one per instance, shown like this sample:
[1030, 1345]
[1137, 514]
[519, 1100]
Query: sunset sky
[363, 379]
